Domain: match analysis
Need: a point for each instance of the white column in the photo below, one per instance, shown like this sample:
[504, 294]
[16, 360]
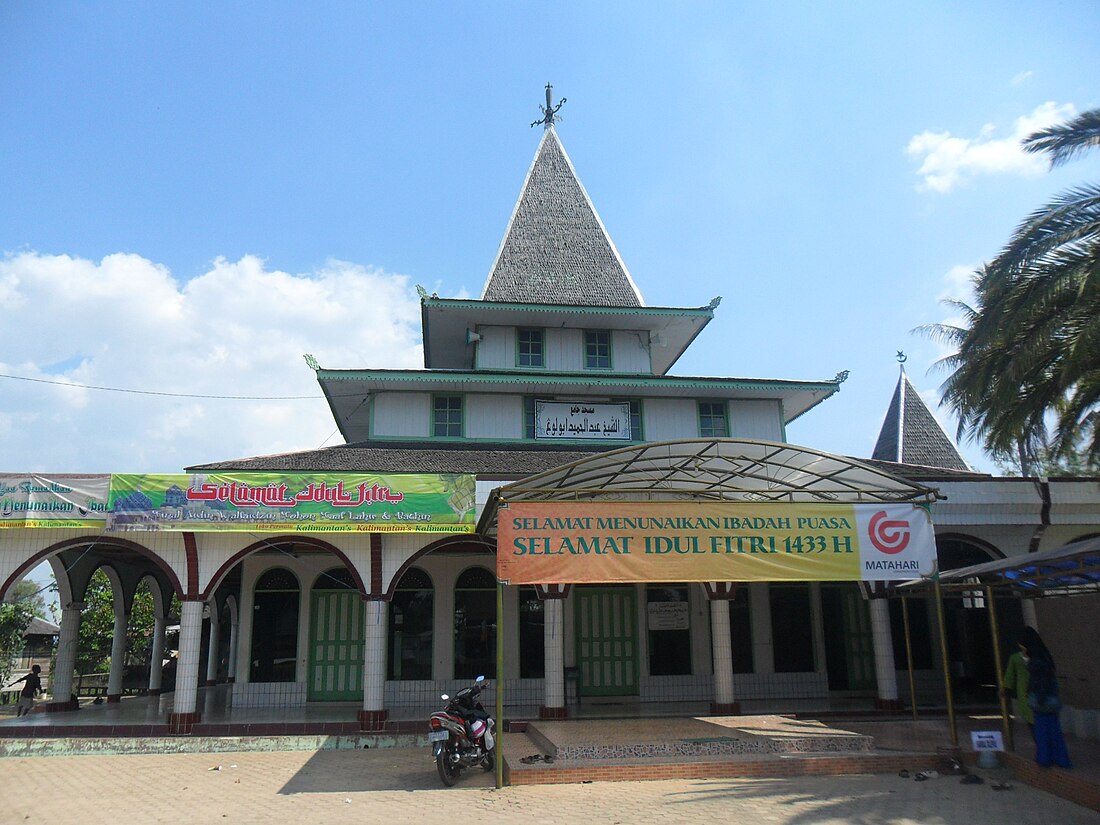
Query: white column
[118, 656]
[885, 672]
[1031, 618]
[61, 679]
[187, 673]
[722, 646]
[374, 655]
[212, 646]
[553, 651]
[156, 656]
[234, 640]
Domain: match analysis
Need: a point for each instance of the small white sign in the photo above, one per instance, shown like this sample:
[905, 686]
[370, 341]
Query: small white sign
[583, 421]
[668, 615]
[987, 740]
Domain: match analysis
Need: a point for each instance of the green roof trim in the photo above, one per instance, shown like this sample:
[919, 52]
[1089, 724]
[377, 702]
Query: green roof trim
[572, 379]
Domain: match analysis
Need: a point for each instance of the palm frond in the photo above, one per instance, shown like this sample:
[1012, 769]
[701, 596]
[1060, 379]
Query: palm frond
[1067, 141]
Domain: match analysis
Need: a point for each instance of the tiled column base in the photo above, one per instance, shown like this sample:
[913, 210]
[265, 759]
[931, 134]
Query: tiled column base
[889, 704]
[372, 720]
[182, 722]
[154, 691]
[63, 707]
[114, 698]
[725, 708]
[553, 713]
[211, 682]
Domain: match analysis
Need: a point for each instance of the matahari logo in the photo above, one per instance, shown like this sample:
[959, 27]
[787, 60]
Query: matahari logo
[890, 537]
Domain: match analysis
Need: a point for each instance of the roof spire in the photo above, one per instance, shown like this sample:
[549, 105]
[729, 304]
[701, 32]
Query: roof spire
[549, 111]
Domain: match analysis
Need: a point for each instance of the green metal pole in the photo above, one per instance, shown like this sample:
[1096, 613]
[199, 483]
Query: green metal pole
[946, 664]
[909, 654]
[1006, 724]
[500, 686]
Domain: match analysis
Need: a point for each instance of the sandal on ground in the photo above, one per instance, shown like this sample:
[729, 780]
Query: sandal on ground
[528, 760]
[971, 779]
[1001, 786]
[904, 774]
[920, 777]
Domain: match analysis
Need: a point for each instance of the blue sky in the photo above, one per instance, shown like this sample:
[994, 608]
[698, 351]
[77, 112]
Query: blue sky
[194, 196]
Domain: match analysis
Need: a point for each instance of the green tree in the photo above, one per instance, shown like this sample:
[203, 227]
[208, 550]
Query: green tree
[14, 618]
[1025, 379]
[23, 603]
[97, 626]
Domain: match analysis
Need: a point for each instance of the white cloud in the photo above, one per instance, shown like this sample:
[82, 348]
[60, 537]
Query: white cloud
[1022, 77]
[239, 329]
[947, 161]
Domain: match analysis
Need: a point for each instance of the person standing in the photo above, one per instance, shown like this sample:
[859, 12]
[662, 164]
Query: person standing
[1044, 701]
[31, 688]
[1015, 685]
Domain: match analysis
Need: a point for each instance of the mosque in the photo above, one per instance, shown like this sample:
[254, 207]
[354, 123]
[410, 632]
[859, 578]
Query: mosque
[557, 386]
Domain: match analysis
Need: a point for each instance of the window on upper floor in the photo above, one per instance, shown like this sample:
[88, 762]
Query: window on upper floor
[447, 416]
[529, 415]
[530, 348]
[597, 350]
[635, 417]
[713, 421]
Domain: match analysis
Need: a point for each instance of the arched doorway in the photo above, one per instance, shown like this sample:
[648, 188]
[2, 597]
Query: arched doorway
[275, 627]
[412, 613]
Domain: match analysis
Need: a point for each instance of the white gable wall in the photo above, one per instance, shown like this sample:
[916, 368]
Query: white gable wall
[758, 420]
[402, 414]
[494, 416]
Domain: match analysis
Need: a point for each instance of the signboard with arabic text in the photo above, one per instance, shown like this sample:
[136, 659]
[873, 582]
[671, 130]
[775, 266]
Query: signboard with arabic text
[580, 420]
[295, 503]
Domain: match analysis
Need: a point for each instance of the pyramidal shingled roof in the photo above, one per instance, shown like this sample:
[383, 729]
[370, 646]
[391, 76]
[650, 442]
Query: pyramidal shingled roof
[912, 435]
[555, 249]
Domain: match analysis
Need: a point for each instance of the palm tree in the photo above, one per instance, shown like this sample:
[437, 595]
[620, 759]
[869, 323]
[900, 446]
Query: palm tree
[1026, 376]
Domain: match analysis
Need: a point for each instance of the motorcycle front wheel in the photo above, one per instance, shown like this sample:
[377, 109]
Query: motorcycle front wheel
[490, 760]
[448, 771]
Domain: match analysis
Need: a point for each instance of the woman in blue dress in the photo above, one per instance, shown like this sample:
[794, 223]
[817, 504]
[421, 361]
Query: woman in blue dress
[1044, 701]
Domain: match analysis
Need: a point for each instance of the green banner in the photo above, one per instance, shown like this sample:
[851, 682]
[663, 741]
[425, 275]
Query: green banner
[294, 503]
[69, 501]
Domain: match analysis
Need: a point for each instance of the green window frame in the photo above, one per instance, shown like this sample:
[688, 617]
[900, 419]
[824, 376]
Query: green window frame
[713, 419]
[636, 433]
[447, 416]
[597, 349]
[530, 347]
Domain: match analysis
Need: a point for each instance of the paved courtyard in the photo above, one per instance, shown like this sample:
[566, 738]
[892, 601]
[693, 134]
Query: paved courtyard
[400, 785]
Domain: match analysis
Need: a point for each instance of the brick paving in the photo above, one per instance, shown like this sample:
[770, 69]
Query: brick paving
[399, 785]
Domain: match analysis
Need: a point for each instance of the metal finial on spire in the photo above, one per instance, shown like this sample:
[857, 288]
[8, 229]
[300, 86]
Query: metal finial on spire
[902, 357]
[549, 111]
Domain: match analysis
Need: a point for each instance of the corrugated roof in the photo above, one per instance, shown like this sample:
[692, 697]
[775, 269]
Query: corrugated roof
[912, 435]
[555, 249]
[406, 457]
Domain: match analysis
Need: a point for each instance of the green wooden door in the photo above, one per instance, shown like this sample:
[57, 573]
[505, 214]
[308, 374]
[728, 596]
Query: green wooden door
[336, 646]
[859, 641]
[607, 641]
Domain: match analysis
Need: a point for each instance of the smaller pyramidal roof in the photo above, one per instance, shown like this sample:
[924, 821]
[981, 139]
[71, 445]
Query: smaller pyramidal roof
[555, 249]
[912, 435]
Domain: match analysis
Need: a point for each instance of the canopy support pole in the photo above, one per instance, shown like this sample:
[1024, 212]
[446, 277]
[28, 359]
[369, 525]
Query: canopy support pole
[499, 743]
[944, 660]
[1006, 724]
[909, 655]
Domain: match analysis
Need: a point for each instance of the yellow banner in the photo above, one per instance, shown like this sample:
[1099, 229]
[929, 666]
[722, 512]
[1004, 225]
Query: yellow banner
[584, 542]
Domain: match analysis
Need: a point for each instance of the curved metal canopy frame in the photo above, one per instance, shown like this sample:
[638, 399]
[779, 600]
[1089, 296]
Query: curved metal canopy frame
[713, 469]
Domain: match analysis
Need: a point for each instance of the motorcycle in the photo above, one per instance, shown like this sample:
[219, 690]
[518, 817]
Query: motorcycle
[462, 734]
